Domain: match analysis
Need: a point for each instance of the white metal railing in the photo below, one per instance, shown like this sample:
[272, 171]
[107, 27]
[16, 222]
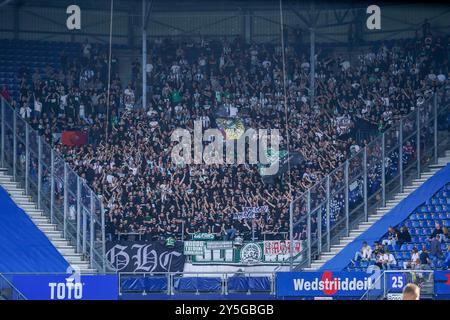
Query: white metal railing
[342, 199]
[64, 197]
[9, 291]
[381, 288]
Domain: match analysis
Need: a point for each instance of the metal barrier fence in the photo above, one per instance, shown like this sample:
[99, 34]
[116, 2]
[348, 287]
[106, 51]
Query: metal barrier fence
[340, 201]
[390, 284]
[63, 196]
[8, 291]
[222, 281]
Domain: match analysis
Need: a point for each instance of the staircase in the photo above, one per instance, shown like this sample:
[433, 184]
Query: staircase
[379, 213]
[76, 260]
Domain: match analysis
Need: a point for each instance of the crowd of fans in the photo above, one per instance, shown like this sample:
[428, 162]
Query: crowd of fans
[429, 256]
[145, 192]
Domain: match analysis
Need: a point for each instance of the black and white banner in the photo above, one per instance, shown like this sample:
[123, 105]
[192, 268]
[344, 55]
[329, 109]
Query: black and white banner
[155, 256]
[250, 212]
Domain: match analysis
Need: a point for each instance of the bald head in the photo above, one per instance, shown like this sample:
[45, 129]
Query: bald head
[411, 292]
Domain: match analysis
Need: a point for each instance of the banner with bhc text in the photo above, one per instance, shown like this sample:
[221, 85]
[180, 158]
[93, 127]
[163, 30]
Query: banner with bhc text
[140, 256]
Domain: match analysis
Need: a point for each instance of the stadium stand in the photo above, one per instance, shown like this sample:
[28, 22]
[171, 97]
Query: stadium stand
[421, 226]
[24, 248]
[180, 83]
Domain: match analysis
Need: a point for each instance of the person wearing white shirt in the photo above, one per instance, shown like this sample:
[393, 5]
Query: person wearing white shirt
[388, 260]
[25, 111]
[414, 263]
[364, 253]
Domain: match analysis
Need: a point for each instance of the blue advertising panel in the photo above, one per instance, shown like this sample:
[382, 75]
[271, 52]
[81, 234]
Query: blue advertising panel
[67, 287]
[442, 283]
[396, 281]
[323, 284]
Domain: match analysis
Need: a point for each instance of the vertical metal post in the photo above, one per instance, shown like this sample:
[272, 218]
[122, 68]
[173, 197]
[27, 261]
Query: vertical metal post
[383, 170]
[312, 54]
[27, 157]
[182, 230]
[328, 215]
[2, 156]
[84, 223]
[308, 226]
[366, 200]
[347, 213]
[291, 235]
[400, 155]
[14, 164]
[319, 231]
[52, 185]
[66, 198]
[102, 212]
[39, 197]
[91, 229]
[253, 230]
[418, 142]
[312, 61]
[144, 56]
[435, 126]
[78, 214]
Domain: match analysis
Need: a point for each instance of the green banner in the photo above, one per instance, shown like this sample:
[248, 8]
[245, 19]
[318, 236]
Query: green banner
[203, 236]
[194, 247]
[249, 253]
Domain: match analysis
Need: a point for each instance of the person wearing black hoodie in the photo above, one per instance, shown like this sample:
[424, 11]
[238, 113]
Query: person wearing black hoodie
[403, 236]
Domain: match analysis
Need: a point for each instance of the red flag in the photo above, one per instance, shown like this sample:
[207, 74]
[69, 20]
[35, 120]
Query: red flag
[74, 138]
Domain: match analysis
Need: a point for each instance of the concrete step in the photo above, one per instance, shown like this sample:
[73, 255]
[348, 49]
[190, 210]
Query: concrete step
[8, 184]
[365, 224]
[65, 247]
[55, 236]
[36, 215]
[81, 265]
[328, 255]
[60, 243]
[338, 246]
[75, 260]
[54, 233]
[35, 211]
[26, 206]
[46, 228]
[88, 271]
[40, 219]
[320, 261]
[21, 198]
[67, 251]
[15, 191]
